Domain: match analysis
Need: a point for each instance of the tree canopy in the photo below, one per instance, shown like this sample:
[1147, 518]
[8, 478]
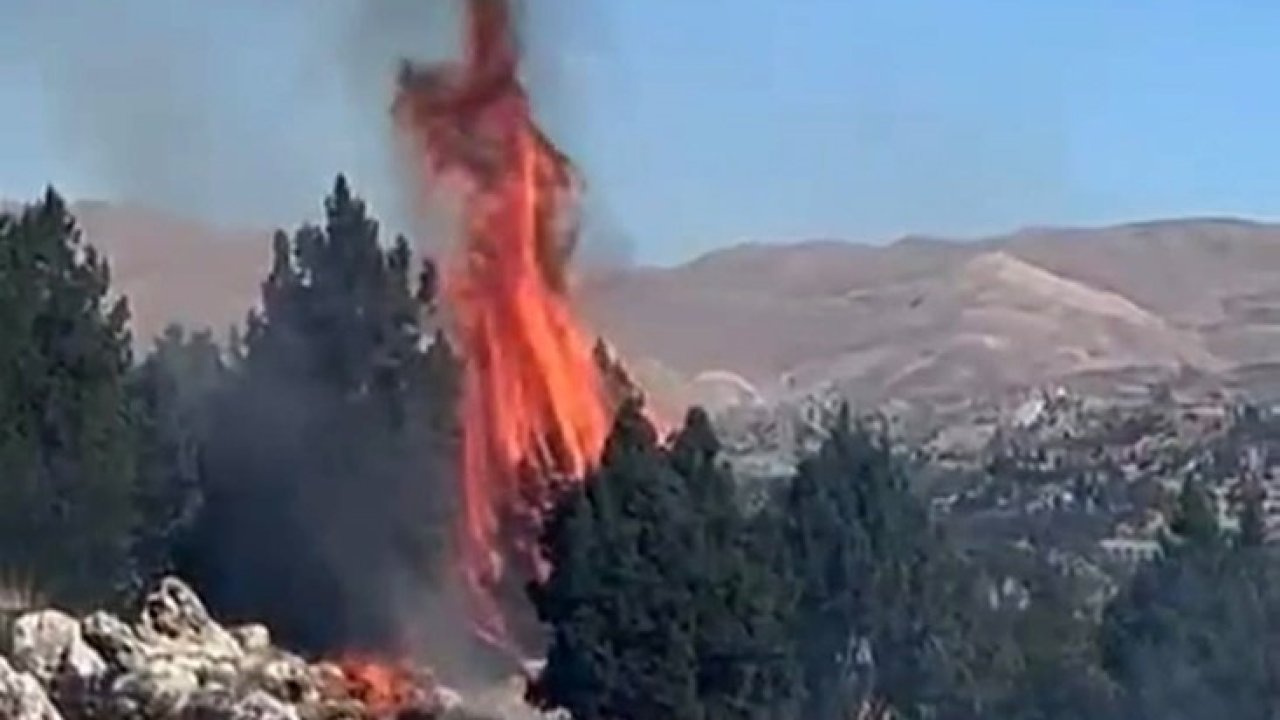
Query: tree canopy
[66, 437]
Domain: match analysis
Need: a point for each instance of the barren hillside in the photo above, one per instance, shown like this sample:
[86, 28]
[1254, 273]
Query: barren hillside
[916, 317]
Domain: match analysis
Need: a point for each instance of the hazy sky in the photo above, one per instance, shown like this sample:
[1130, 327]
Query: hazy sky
[698, 122]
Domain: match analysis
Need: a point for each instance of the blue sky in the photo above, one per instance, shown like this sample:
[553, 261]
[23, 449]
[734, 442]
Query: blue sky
[698, 124]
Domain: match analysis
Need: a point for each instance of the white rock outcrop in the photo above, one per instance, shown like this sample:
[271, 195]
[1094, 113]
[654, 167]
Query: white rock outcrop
[177, 663]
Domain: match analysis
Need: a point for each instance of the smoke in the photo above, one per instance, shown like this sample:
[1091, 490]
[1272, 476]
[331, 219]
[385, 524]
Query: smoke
[146, 102]
[328, 483]
[240, 112]
[235, 111]
[322, 513]
[554, 35]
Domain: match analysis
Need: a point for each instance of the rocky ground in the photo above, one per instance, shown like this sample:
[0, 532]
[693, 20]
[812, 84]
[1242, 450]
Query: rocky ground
[176, 663]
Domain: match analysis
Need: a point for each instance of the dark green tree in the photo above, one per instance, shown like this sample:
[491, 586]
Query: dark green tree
[874, 622]
[66, 444]
[1253, 520]
[663, 599]
[620, 603]
[1056, 672]
[1195, 524]
[172, 392]
[1192, 636]
[327, 462]
[745, 658]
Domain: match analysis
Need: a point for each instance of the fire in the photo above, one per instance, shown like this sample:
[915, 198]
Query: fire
[533, 407]
[386, 690]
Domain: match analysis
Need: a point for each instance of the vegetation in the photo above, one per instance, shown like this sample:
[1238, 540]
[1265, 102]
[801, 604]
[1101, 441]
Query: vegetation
[66, 436]
[324, 444]
[323, 438]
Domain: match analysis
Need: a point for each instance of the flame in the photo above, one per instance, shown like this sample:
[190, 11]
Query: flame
[384, 689]
[533, 408]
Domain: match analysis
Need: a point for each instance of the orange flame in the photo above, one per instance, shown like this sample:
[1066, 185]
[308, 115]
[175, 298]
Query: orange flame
[385, 690]
[533, 407]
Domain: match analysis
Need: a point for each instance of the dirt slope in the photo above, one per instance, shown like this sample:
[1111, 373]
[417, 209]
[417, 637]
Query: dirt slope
[916, 317]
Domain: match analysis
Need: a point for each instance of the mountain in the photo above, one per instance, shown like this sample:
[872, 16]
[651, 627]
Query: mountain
[172, 268]
[921, 317]
[929, 317]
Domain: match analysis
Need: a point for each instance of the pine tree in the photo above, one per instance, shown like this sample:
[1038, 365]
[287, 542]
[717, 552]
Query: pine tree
[746, 664]
[1253, 521]
[1192, 635]
[662, 601]
[619, 602]
[1057, 674]
[1195, 524]
[329, 450]
[869, 619]
[172, 392]
[66, 445]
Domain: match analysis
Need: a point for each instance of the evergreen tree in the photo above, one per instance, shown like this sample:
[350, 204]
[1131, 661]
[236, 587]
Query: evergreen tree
[1056, 674]
[1253, 520]
[871, 622]
[662, 601]
[1195, 524]
[66, 453]
[746, 664]
[327, 465]
[620, 600]
[1193, 634]
[172, 393]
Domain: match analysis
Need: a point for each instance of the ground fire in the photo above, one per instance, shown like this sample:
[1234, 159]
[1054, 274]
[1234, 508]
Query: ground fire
[533, 408]
[385, 690]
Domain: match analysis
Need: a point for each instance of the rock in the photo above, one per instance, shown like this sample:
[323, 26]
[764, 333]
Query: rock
[283, 676]
[115, 642]
[177, 663]
[252, 638]
[44, 641]
[210, 703]
[334, 710]
[22, 698]
[220, 705]
[174, 614]
[261, 706]
[48, 644]
[159, 690]
[81, 662]
[217, 672]
[329, 679]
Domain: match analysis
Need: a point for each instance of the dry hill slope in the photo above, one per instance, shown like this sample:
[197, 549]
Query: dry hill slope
[919, 316]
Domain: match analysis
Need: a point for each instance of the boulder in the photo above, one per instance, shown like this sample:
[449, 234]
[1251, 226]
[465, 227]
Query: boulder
[252, 638]
[216, 705]
[22, 697]
[48, 644]
[283, 676]
[177, 663]
[173, 615]
[160, 690]
[115, 642]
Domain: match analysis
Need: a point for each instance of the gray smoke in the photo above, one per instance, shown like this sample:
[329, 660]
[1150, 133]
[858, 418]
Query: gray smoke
[240, 112]
[182, 105]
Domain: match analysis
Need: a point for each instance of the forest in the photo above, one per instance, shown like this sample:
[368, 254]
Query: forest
[300, 473]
